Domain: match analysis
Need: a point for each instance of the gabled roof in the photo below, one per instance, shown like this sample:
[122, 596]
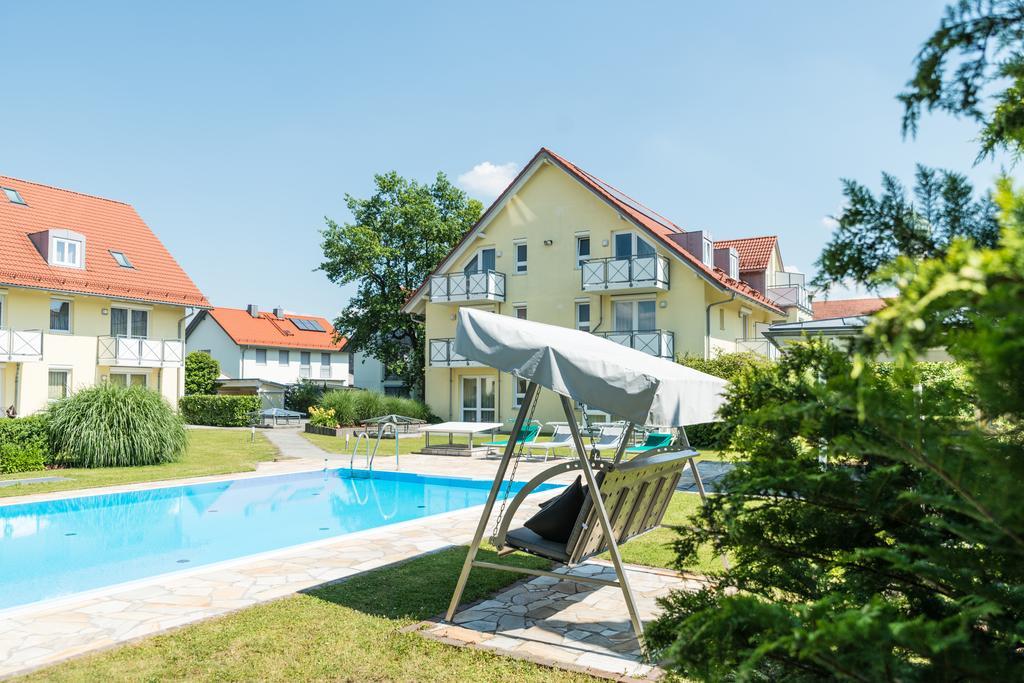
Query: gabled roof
[840, 308]
[107, 225]
[755, 252]
[268, 330]
[653, 223]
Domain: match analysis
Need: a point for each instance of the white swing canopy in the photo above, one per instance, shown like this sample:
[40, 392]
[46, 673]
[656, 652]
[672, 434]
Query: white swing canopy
[592, 370]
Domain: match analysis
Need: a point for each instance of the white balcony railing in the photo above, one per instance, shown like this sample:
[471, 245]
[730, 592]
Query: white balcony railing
[477, 285]
[325, 372]
[21, 345]
[441, 353]
[758, 345]
[660, 343]
[305, 372]
[142, 353]
[625, 274]
[789, 289]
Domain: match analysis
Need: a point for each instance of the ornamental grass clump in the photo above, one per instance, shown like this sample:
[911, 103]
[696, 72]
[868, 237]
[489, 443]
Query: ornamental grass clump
[111, 426]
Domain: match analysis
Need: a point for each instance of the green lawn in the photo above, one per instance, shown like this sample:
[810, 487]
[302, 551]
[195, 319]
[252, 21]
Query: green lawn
[350, 631]
[654, 549]
[210, 451]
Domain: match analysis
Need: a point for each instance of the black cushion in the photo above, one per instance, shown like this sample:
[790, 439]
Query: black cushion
[555, 521]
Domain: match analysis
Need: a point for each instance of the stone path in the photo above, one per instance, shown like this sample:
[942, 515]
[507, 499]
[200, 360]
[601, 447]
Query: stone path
[564, 623]
[292, 444]
[711, 473]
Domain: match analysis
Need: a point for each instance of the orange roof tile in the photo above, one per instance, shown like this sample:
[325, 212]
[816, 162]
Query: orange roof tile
[107, 225]
[846, 308]
[267, 330]
[755, 252]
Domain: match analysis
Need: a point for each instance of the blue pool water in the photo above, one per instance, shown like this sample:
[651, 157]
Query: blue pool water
[60, 547]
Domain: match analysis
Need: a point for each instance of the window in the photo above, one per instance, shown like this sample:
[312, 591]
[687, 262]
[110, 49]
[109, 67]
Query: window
[284, 357]
[633, 316]
[2, 311]
[520, 312]
[481, 261]
[140, 324]
[67, 252]
[518, 391]
[59, 382]
[261, 356]
[125, 379]
[629, 244]
[734, 265]
[119, 323]
[304, 359]
[121, 259]
[745, 322]
[325, 359]
[708, 252]
[721, 318]
[520, 249]
[583, 316]
[60, 315]
[13, 196]
[582, 250]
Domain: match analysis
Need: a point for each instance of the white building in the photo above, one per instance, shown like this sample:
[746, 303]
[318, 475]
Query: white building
[265, 351]
[370, 373]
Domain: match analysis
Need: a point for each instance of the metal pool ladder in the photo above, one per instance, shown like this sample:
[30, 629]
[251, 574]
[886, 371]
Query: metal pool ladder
[381, 429]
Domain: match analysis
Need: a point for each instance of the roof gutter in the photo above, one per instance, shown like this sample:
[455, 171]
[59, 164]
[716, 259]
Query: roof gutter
[707, 322]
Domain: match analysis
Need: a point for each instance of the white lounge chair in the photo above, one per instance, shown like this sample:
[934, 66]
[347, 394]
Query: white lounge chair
[560, 438]
[608, 439]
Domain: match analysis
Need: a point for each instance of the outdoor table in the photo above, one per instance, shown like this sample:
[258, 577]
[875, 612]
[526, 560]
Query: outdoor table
[452, 428]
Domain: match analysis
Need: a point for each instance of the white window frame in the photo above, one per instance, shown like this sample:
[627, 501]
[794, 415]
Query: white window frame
[71, 316]
[128, 378]
[634, 305]
[745, 324]
[637, 239]
[580, 259]
[590, 313]
[518, 391]
[516, 308]
[67, 242]
[520, 266]
[3, 310]
[13, 196]
[286, 354]
[256, 356]
[67, 383]
[478, 382]
[721, 319]
[478, 258]
[131, 310]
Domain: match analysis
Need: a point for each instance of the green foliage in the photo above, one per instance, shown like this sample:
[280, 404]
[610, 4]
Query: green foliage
[25, 431]
[875, 522]
[983, 40]
[19, 457]
[351, 406]
[219, 411]
[396, 238]
[728, 366]
[873, 231]
[201, 373]
[111, 426]
[322, 417]
[302, 396]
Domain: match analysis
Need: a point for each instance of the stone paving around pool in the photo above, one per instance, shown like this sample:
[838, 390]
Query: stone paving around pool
[35, 636]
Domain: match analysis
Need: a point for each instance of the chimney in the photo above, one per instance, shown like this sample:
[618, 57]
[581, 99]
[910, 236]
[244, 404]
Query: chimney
[279, 313]
[698, 243]
[253, 310]
[728, 259]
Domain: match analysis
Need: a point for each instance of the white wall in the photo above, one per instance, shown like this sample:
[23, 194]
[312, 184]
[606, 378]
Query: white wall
[207, 335]
[274, 371]
[367, 372]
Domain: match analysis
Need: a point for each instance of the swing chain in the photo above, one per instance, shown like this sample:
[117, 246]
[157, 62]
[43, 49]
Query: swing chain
[515, 466]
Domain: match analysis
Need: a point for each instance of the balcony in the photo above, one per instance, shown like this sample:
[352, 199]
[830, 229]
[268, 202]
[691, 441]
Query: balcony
[442, 355]
[758, 345]
[660, 343]
[478, 286]
[788, 289]
[638, 274]
[18, 346]
[140, 353]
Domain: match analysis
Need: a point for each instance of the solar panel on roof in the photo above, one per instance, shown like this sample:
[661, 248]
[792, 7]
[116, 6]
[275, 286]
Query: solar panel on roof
[307, 325]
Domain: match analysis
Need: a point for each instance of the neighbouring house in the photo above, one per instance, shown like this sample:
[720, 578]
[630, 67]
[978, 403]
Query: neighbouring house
[88, 294]
[263, 352]
[845, 308]
[562, 247]
[370, 373]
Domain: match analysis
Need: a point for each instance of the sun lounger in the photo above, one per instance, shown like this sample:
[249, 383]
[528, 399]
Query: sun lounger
[654, 441]
[560, 438]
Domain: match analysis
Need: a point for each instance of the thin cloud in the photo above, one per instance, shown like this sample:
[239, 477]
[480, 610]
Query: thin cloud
[487, 180]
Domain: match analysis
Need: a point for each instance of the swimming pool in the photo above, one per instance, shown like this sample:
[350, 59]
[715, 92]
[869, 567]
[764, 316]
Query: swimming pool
[59, 547]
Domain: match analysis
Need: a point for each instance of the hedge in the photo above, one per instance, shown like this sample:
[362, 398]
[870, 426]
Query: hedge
[25, 431]
[351, 406]
[18, 457]
[728, 366]
[218, 411]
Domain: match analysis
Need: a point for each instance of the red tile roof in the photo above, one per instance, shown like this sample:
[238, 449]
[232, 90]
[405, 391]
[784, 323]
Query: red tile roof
[267, 330]
[107, 225]
[755, 252]
[846, 308]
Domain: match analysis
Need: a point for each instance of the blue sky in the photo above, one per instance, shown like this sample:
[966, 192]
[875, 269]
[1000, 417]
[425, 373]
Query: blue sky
[234, 128]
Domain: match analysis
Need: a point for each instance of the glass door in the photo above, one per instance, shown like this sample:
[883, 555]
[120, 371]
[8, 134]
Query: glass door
[483, 260]
[478, 399]
[634, 315]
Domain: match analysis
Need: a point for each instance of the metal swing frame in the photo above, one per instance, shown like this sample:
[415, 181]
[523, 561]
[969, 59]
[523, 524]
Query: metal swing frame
[584, 464]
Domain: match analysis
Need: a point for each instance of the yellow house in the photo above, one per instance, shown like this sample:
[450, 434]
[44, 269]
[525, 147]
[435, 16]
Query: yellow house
[562, 247]
[88, 294]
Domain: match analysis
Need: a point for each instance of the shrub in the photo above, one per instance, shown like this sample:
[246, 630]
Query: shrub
[111, 426]
[201, 373]
[302, 396]
[351, 406]
[218, 410]
[322, 417]
[18, 457]
[25, 431]
[728, 366]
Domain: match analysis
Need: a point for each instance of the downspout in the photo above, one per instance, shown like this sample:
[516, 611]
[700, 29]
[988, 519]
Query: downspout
[707, 323]
[600, 313]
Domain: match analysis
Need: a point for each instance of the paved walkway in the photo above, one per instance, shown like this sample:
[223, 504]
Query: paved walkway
[292, 444]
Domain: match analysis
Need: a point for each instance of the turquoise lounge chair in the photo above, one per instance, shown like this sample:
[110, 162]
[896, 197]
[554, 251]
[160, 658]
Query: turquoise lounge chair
[527, 435]
[654, 441]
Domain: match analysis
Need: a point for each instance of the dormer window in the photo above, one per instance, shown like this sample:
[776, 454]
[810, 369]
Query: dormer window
[67, 252]
[708, 253]
[121, 259]
[734, 265]
[13, 196]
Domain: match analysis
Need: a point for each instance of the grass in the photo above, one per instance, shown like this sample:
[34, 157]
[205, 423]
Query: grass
[209, 452]
[654, 549]
[349, 631]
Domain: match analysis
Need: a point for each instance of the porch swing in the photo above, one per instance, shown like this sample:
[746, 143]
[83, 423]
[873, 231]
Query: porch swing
[635, 494]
